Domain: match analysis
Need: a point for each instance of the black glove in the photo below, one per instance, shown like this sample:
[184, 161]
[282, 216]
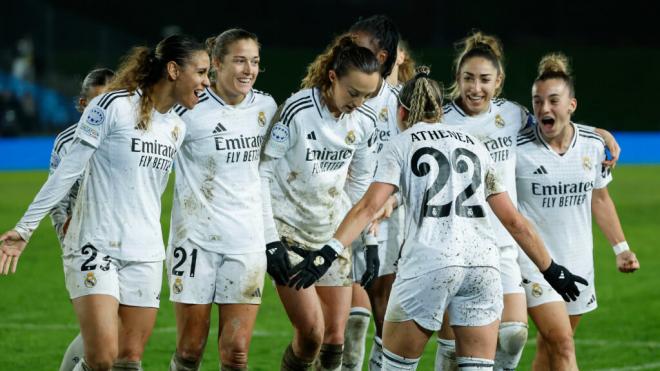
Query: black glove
[373, 265]
[278, 264]
[313, 266]
[563, 281]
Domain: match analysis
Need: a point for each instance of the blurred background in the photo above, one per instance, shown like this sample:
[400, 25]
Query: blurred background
[47, 46]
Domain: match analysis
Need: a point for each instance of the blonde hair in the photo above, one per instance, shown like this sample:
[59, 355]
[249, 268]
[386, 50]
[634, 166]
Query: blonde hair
[556, 66]
[422, 98]
[478, 45]
[342, 56]
[142, 68]
[407, 67]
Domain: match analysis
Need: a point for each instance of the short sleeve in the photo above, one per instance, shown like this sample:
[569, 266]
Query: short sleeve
[493, 180]
[96, 121]
[604, 173]
[389, 166]
[281, 137]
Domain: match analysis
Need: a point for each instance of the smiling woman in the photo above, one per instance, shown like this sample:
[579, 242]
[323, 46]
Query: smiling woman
[113, 249]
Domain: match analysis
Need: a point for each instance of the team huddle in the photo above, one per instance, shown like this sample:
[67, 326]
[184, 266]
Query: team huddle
[363, 194]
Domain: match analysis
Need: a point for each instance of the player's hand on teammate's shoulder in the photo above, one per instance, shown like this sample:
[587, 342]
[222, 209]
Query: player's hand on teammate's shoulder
[563, 281]
[313, 266]
[612, 145]
[278, 264]
[11, 247]
[627, 262]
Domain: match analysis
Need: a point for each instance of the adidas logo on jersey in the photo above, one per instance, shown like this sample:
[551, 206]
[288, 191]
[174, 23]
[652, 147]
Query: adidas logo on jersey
[592, 299]
[256, 293]
[311, 136]
[219, 129]
[541, 170]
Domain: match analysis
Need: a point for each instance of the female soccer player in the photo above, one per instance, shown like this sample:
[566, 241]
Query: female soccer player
[404, 67]
[476, 109]
[216, 245]
[561, 183]
[318, 161]
[449, 258]
[93, 84]
[113, 250]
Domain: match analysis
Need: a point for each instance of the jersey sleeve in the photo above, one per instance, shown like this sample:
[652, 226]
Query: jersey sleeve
[96, 121]
[526, 118]
[604, 175]
[360, 171]
[60, 211]
[493, 180]
[282, 135]
[390, 165]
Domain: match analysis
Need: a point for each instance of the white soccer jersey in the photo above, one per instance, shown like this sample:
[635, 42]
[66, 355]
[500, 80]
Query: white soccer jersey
[444, 176]
[118, 206]
[320, 160]
[62, 211]
[497, 129]
[554, 193]
[384, 106]
[217, 197]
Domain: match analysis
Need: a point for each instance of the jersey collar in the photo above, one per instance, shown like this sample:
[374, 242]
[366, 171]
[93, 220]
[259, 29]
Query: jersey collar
[322, 109]
[249, 98]
[547, 146]
[460, 111]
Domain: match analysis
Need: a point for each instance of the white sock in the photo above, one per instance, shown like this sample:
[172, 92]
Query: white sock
[81, 366]
[74, 353]
[393, 362]
[376, 356]
[445, 355]
[511, 340]
[474, 364]
[122, 365]
[354, 338]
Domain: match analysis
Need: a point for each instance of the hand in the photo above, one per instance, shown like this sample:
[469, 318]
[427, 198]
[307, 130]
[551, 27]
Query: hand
[627, 262]
[386, 210]
[278, 264]
[313, 266]
[612, 146]
[373, 265]
[11, 247]
[563, 281]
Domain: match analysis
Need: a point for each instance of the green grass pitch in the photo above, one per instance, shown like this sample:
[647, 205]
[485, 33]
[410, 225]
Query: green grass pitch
[37, 321]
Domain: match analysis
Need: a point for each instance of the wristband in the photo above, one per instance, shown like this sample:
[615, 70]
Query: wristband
[620, 247]
[335, 245]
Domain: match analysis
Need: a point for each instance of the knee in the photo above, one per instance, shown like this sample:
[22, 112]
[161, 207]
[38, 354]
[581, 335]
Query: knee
[191, 349]
[334, 333]
[235, 354]
[309, 341]
[512, 337]
[559, 343]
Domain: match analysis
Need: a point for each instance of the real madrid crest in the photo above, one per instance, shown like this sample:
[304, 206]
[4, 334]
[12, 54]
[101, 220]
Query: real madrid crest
[262, 118]
[177, 287]
[383, 114]
[350, 137]
[537, 290]
[175, 133]
[90, 280]
[586, 163]
[499, 121]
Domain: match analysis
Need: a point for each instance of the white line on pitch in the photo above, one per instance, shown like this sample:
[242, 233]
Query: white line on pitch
[646, 366]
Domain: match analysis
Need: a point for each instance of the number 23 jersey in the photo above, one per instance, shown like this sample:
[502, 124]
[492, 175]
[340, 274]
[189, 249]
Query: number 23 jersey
[444, 177]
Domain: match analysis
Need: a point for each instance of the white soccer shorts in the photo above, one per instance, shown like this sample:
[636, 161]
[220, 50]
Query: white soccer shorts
[471, 297]
[510, 270]
[198, 276]
[388, 254]
[90, 272]
[539, 292]
[339, 273]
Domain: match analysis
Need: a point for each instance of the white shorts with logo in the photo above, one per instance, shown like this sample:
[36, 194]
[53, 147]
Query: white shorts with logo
[539, 292]
[198, 276]
[339, 273]
[471, 297]
[90, 272]
[510, 270]
[388, 254]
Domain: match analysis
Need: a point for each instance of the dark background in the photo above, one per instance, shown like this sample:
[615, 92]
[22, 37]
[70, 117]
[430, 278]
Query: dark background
[614, 49]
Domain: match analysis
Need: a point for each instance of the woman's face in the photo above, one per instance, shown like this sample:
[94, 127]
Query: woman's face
[351, 90]
[191, 79]
[553, 106]
[478, 80]
[238, 70]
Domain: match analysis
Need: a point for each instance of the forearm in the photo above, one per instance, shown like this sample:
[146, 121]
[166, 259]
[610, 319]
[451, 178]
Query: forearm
[529, 240]
[604, 212]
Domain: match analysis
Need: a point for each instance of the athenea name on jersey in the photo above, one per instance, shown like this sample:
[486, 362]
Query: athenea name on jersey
[315, 151]
[217, 201]
[118, 206]
[554, 191]
[444, 176]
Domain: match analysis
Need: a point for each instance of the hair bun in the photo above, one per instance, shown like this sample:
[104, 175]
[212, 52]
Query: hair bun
[422, 71]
